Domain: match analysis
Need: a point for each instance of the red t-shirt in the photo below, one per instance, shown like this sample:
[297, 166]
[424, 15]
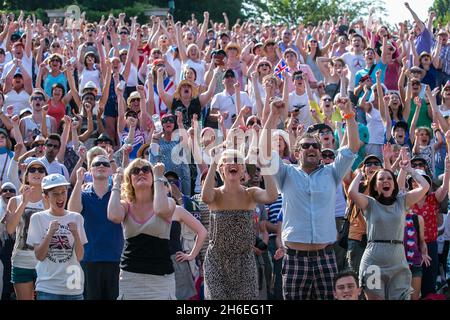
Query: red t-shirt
[429, 212]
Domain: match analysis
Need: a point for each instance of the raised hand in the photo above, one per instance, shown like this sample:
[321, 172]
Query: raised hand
[158, 170]
[80, 174]
[118, 177]
[53, 227]
[73, 227]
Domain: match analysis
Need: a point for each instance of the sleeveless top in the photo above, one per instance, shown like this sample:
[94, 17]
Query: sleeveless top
[194, 107]
[315, 69]
[33, 129]
[23, 254]
[90, 75]
[411, 242]
[57, 111]
[332, 89]
[199, 68]
[175, 238]
[146, 248]
[50, 80]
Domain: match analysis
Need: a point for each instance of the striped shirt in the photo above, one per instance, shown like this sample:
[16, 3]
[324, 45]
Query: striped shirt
[273, 210]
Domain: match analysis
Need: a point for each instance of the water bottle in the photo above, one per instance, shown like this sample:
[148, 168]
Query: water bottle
[157, 123]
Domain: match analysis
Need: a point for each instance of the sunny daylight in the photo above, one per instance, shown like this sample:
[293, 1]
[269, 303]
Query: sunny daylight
[224, 150]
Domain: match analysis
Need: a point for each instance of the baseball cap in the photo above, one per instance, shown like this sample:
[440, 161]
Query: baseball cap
[8, 185]
[54, 180]
[35, 161]
[171, 174]
[90, 85]
[23, 111]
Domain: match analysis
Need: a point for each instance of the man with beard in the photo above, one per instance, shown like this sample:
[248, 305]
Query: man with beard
[309, 200]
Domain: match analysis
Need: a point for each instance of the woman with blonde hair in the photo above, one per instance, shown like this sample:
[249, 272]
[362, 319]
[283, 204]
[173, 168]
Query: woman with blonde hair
[230, 266]
[235, 63]
[141, 204]
[19, 212]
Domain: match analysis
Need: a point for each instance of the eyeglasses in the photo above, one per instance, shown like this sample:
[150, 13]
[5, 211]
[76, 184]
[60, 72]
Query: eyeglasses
[101, 163]
[34, 170]
[372, 164]
[308, 145]
[8, 190]
[145, 169]
[264, 65]
[51, 145]
[168, 119]
[37, 98]
[328, 155]
[56, 46]
[326, 99]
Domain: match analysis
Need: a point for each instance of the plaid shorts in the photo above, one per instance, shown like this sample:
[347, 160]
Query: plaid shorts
[308, 275]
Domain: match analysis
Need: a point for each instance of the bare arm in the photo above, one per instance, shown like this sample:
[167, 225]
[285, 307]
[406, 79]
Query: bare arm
[358, 198]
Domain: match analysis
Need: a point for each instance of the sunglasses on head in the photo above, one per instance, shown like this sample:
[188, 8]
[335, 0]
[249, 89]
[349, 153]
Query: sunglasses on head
[101, 163]
[37, 98]
[168, 119]
[34, 170]
[373, 164]
[307, 145]
[145, 169]
[328, 155]
[8, 190]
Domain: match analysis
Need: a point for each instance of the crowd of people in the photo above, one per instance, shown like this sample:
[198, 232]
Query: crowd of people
[204, 160]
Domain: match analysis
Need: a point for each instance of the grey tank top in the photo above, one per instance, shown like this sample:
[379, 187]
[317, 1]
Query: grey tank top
[154, 226]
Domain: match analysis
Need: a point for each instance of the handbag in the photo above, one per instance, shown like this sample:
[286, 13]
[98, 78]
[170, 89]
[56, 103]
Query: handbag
[343, 233]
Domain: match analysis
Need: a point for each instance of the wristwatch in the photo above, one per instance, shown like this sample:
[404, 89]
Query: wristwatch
[162, 179]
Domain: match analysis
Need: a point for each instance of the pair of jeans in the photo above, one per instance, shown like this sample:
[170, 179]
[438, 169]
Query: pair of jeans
[51, 296]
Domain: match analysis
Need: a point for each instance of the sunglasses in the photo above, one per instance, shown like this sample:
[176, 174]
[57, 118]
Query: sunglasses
[91, 30]
[325, 132]
[123, 32]
[308, 145]
[101, 163]
[8, 190]
[252, 122]
[34, 170]
[37, 98]
[135, 99]
[298, 77]
[372, 164]
[145, 169]
[326, 99]
[57, 60]
[51, 145]
[418, 164]
[264, 65]
[313, 41]
[328, 155]
[168, 119]
[56, 46]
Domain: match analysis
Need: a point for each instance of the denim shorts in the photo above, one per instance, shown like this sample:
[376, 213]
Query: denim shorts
[416, 271]
[22, 275]
[51, 296]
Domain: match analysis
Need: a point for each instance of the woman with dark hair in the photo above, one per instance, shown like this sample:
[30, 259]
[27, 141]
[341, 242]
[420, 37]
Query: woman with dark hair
[384, 210]
[48, 77]
[310, 56]
[90, 70]
[58, 102]
[19, 212]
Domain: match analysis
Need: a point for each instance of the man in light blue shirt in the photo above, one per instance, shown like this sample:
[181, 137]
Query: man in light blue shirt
[309, 200]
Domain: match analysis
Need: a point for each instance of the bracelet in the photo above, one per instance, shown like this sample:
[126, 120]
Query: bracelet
[115, 189]
[161, 179]
[349, 115]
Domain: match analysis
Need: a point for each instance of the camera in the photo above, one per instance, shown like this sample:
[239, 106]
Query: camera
[260, 244]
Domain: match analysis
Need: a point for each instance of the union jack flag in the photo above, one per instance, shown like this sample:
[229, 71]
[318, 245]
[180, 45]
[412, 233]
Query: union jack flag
[281, 66]
[60, 242]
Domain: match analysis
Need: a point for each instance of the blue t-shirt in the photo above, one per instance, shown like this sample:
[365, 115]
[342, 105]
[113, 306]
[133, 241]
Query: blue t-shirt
[105, 238]
[361, 73]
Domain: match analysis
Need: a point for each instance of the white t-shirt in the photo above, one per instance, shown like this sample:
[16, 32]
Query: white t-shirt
[55, 167]
[19, 100]
[227, 103]
[354, 62]
[60, 272]
[26, 63]
[302, 103]
[23, 255]
[375, 126]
